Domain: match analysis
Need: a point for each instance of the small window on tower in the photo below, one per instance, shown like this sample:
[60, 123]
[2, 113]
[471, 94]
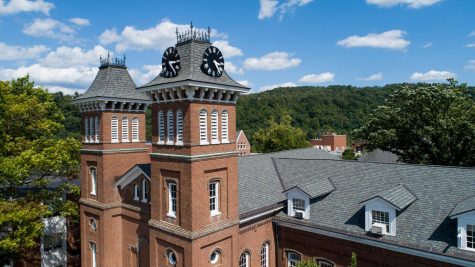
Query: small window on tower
[214, 127]
[224, 127]
[214, 198]
[161, 128]
[172, 200]
[93, 175]
[170, 128]
[136, 192]
[125, 129]
[203, 127]
[135, 130]
[114, 129]
[179, 128]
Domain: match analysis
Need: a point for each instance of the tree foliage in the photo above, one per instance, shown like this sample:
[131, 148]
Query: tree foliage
[279, 136]
[354, 261]
[349, 154]
[32, 152]
[427, 124]
[307, 263]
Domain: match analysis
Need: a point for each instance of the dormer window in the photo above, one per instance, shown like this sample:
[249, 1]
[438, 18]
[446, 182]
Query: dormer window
[464, 212]
[298, 203]
[471, 236]
[380, 218]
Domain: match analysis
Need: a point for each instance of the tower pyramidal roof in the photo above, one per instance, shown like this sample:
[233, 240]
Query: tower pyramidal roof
[113, 81]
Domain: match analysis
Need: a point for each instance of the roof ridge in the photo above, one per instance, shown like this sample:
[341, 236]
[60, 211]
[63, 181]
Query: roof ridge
[278, 174]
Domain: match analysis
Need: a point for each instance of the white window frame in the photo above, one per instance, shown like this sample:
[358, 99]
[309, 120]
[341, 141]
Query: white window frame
[265, 254]
[135, 130]
[172, 213]
[86, 130]
[296, 193]
[145, 191]
[292, 261]
[378, 204]
[179, 128]
[246, 257]
[214, 198]
[322, 262]
[93, 177]
[125, 129]
[161, 128]
[93, 248]
[225, 127]
[91, 129]
[98, 129]
[203, 119]
[136, 192]
[170, 136]
[115, 129]
[214, 127]
[463, 220]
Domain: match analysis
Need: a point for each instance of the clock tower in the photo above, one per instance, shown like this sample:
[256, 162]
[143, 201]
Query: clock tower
[194, 171]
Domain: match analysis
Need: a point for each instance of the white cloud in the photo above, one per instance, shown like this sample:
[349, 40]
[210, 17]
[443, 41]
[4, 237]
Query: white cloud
[471, 45]
[227, 50]
[472, 33]
[273, 86]
[80, 21]
[470, 65]
[65, 56]
[432, 75]
[17, 52]
[245, 83]
[268, 8]
[146, 74]
[318, 78]
[73, 75]
[429, 44]
[392, 39]
[50, 28]
[373, 77]
[17, 6]
[231, 68]
[272, 61]
[409, 3]
[65, 90]
[158, 37]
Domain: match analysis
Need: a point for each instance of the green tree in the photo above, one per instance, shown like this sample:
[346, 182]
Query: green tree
[349, 154]
[31, 154]
[354, 261]
[428, 124]
[307, 263]
[279, 136]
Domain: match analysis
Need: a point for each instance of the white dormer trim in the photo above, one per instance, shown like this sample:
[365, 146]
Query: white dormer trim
[463, 220]
[130, 176]
[297, 193]
[379, 204]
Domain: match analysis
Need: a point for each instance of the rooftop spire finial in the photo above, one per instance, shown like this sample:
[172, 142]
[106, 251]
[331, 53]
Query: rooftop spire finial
[193, 34]
[191, 25]
[111, 61]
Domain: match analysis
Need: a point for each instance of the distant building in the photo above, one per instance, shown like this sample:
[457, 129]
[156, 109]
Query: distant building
[330, 142]
[242, 144]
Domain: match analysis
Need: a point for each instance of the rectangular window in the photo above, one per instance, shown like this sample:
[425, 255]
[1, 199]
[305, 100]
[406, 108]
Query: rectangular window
[214, 127]
[53, 241]
[114, 130]
[161, 128]
[471, 236]
[171, 200]
[214, 198]
[224, 127]
[179, 128]
[136, 192]
[170, 129]
[380, 217]
[135, 130]
[298, 204]
[125, 129]
[86, 130]
[97, 130]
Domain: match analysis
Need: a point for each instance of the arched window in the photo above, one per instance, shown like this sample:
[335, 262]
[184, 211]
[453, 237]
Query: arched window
[93, 248]
[293, 259]
[161, 128]
[214, 198]
[170, 128]
[125, 129]
[179, 128]
[171, 200]
[93, 175]
[114, 129]
[93, 224]
[91, 130]
[97, 129]
[324, 262]
[145, 191]
[136, 192]
[203, 127]
[86, 130]
[224, 127]
[265, 255]
[214, 127]
[244, 259]
[135, 130]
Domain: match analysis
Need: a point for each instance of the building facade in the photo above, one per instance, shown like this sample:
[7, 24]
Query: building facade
[243, 146]
[186, 199]
[330, 142]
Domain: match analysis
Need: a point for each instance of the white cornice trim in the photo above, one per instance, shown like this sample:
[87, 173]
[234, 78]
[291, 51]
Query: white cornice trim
[130, 176]
[146, 88]
[193, 157]
[256, 216]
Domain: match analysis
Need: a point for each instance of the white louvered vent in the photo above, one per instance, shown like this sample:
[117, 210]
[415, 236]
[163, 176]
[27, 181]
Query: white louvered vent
[203, 127]
[224, 127]
[91, 130]
[114, 130]
[169, 128]
[179, 128]
[214, 127]
[98, 129]
[135, 130]
[125, 129]
[86, 130]
[161, 128]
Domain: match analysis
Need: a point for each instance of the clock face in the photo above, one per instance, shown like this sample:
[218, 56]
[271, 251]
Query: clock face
[170, 63]
[213, 62]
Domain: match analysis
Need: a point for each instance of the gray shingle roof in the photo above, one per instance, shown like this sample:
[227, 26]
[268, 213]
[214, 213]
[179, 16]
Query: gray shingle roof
[425, 223]
[464, 206]
[191, 56]
[399, 196]
[379, 155]
[259, 184]
[113, 82]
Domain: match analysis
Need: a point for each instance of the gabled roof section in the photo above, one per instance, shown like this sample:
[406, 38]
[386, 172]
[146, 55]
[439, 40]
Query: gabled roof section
[113, 82]
[465, 206]
[191, 56]
[398, 196]
[132, 174]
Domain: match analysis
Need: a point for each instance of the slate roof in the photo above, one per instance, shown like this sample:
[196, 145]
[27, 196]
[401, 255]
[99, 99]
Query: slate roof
[379, 155]
[464, 206]
[398, 196]
[191, 56]
[424, 224]
[113, 82]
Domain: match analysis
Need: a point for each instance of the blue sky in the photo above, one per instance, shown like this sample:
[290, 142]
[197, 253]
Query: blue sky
[266, 43]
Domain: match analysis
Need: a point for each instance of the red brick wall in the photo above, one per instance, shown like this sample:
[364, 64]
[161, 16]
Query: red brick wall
[253, 236]
[242, 144]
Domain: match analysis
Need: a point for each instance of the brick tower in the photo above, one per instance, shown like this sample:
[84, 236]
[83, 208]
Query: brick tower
[194, 208]
[113, 141]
